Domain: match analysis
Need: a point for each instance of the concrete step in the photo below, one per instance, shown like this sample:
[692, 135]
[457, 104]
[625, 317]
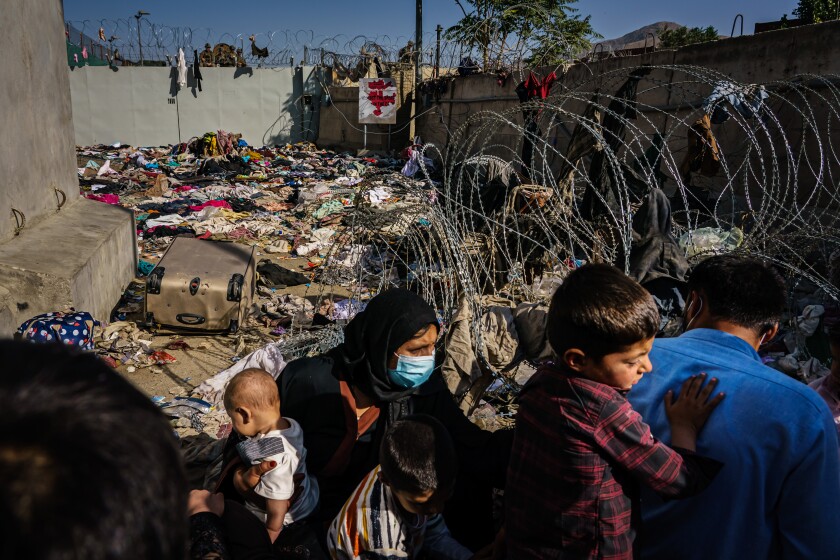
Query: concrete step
[6, 317]
[83, 256]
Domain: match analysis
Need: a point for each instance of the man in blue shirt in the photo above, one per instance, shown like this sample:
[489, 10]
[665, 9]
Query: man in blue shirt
[778, 493]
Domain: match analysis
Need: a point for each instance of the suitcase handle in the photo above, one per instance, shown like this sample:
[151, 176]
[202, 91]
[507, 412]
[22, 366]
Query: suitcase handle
[190, 318]
[154, 280]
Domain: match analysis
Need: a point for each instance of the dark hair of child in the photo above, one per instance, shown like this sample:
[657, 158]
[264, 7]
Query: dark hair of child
[600, 310]
[417, 455]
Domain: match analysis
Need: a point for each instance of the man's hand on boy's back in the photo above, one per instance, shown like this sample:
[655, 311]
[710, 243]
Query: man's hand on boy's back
[690, 411]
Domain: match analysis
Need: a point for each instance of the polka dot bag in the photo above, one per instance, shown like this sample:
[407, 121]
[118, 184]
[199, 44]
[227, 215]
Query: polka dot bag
[73, 328]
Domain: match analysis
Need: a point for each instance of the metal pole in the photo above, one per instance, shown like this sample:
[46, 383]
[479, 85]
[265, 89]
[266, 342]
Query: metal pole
[418, 57]
[439, 29]
[138, 16]
[139, 42]
[364, 141]
[178, 114]
[734, 23]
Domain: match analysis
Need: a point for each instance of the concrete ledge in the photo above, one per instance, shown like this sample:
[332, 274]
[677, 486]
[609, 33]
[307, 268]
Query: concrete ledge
[83, 256]
[6, 317]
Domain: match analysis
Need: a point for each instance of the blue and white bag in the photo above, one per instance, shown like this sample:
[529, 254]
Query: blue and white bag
[74, 328]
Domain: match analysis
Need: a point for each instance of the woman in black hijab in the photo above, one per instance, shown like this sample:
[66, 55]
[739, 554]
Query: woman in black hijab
[345, 399]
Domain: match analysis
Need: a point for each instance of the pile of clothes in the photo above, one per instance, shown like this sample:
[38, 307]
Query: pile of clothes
[294, 203]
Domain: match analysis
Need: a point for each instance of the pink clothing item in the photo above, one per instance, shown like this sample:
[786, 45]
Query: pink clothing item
[183, 188]
[828, 388]
[240, 233]
[216, 203]
[107, 198]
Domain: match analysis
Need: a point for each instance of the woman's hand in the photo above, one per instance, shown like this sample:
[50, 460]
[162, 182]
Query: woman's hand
[245, 480]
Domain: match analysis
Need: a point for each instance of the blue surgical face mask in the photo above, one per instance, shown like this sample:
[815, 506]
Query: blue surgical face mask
[412, 371]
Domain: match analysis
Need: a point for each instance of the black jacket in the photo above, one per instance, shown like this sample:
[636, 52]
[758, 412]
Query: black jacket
[310, 393]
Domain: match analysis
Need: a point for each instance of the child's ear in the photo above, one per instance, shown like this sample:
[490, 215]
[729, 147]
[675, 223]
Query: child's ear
[575, 359]
[245, 413]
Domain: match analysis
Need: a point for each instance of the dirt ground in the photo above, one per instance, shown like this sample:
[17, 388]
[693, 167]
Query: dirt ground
[208, 355]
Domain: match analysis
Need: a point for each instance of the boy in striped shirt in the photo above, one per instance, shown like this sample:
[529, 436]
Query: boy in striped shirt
[396, 510]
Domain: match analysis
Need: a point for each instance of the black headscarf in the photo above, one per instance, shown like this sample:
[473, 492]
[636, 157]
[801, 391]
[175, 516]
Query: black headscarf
[371, 337]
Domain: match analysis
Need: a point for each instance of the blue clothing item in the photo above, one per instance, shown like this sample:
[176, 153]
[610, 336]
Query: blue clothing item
[73, 328]
[778, 493]
[747, 100]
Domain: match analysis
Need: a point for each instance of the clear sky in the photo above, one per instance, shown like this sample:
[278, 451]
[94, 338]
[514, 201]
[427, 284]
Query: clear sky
[395, 18]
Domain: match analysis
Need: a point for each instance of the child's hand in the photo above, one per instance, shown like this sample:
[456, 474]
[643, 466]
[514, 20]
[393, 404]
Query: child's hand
[691, 410]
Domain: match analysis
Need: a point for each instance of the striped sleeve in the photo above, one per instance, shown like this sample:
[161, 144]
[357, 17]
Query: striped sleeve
[365, 527]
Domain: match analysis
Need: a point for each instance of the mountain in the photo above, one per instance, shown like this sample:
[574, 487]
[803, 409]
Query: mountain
[636, 39]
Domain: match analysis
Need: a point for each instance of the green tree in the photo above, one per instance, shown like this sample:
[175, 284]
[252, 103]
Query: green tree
[539, 31]
[683, 36]
[816, 10]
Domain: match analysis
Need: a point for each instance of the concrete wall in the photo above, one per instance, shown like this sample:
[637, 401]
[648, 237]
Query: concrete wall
[762, 58]
[81, 255]
[36, 144]
[340, 126]
[145, 107]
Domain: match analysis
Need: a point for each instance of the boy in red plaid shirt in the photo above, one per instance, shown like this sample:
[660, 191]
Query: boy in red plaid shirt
[580, 450]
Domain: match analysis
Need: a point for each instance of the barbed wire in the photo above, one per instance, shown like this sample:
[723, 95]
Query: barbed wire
[760, 183]
[283, 48]
[520, 196]
[160, 43]
[775, 179]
